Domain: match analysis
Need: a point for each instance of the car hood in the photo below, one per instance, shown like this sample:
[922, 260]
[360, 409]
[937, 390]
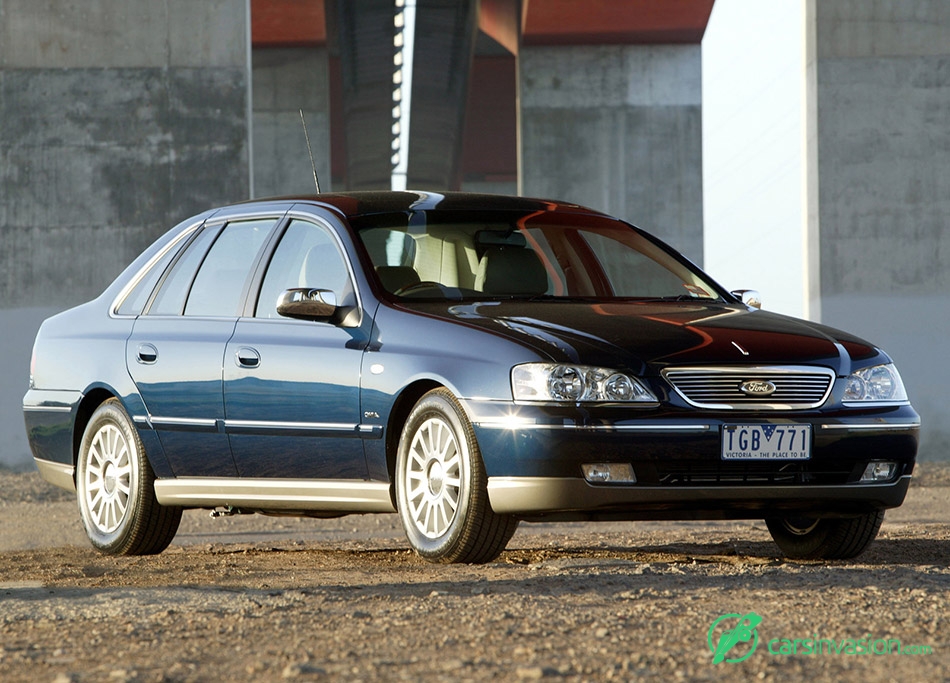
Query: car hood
[644, 337]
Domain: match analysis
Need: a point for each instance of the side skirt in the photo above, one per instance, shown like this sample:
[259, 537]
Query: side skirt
[346, 495]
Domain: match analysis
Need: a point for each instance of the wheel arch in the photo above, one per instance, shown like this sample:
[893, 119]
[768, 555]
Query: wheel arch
[93, 397]
[91, 400]
[450, 519]
[402, 406]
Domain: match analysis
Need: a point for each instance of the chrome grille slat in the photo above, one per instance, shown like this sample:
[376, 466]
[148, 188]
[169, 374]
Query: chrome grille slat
[796, 387]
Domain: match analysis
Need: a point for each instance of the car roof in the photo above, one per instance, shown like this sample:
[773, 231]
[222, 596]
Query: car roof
[354, 204]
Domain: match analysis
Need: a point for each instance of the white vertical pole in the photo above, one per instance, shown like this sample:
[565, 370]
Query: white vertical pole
[404, 44]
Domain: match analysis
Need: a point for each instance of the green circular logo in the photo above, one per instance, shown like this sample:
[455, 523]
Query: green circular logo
[721, 640]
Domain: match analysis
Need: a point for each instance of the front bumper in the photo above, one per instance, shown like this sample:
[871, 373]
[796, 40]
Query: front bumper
[534, 455]
[567, 499]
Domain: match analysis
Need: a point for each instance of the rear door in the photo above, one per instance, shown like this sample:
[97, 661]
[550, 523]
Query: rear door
[176, 349]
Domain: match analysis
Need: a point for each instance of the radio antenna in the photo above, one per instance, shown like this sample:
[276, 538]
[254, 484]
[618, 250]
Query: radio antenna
[316, 181]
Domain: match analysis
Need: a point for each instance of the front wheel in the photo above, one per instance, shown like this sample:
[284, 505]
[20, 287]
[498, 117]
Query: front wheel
[826, 538]
[115, 488]
[441, 486]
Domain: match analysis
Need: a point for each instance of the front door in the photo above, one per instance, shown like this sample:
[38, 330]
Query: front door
[291, 387]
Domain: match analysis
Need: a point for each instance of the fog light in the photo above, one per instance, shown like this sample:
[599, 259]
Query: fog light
[879, 471]
[609, 473]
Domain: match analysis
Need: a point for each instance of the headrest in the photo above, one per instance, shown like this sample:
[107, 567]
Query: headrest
[396, 277]
[511, 270]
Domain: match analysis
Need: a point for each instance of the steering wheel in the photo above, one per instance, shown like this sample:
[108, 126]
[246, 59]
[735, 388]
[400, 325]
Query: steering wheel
[416, 287]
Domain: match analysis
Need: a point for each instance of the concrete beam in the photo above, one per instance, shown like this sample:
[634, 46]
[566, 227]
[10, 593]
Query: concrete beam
[288, 23]
[621, 22]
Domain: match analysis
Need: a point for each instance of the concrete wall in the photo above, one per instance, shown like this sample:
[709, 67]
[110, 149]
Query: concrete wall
[118, 118]
[619, 129]
[880, 83]
[287, 80]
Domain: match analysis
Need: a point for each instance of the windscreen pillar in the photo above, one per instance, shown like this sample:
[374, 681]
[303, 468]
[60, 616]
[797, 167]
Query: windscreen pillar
[118, 119]
[878, 102]
[617, 128]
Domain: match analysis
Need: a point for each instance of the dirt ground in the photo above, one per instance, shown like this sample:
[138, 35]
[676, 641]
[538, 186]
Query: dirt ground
[273, 599]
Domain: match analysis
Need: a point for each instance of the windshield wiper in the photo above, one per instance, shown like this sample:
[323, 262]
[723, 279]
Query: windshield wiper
[683, 297]
[557, 297]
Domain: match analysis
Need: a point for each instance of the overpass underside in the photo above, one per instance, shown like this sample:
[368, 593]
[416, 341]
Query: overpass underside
[593, 102]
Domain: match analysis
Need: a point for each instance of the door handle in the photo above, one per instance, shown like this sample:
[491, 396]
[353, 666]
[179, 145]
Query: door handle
[246, 357]
[146, 353]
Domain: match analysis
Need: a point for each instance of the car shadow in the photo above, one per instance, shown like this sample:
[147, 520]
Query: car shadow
[882, 552]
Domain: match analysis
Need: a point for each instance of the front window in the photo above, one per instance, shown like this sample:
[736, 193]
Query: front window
[465, 255]
[307, 256]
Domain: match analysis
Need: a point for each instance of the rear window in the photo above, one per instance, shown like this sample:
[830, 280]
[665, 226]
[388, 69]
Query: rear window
[134, 302]
[219, 285]
[210, 276]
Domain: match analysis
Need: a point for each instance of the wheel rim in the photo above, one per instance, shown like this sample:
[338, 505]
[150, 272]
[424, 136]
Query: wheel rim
[108, 478]
[800, 526]
[433, 477]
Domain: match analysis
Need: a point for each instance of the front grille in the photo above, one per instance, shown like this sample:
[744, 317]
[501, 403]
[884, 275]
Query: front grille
[795, 388]
[704, 473]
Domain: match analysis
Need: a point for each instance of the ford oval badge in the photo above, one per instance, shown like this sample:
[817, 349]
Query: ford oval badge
[757, 387]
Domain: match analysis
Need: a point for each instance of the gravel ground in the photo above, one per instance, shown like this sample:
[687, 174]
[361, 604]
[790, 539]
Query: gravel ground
[257, 598]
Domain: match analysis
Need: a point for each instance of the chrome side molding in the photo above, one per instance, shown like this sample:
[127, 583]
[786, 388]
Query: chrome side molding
[342, 495]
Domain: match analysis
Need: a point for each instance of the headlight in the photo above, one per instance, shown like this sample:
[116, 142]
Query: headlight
[576, 384]
[879, 383]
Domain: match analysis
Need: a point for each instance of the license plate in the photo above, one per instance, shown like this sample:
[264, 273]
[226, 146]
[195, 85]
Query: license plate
[766, 442]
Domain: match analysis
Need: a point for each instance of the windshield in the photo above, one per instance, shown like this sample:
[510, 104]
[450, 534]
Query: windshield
[444, 255]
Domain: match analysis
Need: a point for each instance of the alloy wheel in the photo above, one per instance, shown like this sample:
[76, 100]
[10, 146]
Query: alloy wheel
[108, 478]
[434, 477]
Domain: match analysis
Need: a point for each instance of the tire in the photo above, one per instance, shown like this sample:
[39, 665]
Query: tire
[441, 484]
[115, 488]
[825, 539]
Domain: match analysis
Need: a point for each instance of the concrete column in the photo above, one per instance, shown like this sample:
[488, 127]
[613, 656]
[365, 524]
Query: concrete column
[879, 94]
[360, 34]
[287, 80]
[445, 34]
[118, 118]
[617, 128]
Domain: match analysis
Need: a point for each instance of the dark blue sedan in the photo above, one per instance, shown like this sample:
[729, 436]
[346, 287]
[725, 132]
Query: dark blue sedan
[466, 361]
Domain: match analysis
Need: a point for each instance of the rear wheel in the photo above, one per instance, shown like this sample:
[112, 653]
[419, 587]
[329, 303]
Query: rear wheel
[826, 538]
[115, 488]
[441, 486]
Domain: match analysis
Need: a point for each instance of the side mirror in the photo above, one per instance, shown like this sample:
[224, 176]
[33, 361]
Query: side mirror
[303, 303]
[749, 297]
